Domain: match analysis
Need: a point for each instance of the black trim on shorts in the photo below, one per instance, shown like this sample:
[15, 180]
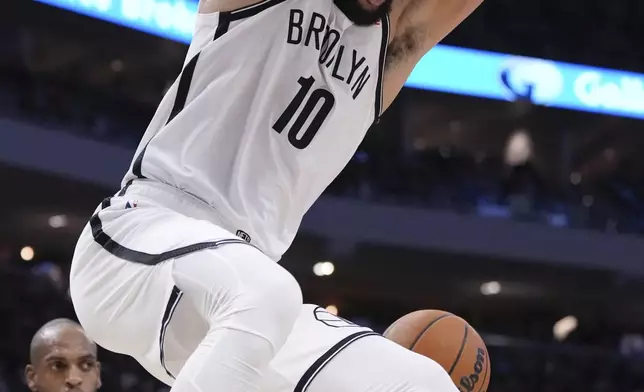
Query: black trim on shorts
[135, 256]
[321, 362]
[173, 301]
[384, 22]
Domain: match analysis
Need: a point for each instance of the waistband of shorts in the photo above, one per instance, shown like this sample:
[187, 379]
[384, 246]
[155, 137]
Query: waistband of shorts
[173, 198]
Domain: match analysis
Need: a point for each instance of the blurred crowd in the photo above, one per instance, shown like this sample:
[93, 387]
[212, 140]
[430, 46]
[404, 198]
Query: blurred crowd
[64, 105]
[33, 294]
[442, 178]
[540, 369]
[446, 178]
[586, 32]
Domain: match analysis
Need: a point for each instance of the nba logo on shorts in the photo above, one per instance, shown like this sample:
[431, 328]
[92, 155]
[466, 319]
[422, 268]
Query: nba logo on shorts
[243, 235]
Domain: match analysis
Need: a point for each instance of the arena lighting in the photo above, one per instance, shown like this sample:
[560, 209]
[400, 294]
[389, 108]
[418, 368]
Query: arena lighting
[27, 253]
[491, 288]
[332, 309]
[323, 268]
[171, 19]
[446, 68]
[564, 327]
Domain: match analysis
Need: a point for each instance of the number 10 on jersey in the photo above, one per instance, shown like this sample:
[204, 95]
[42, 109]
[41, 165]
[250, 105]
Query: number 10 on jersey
[298, 139]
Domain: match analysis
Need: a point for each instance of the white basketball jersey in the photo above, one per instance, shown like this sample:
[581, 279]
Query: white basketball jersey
[271, 104]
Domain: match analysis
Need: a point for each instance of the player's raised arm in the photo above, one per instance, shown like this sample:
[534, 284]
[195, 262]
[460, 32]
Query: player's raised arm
[417, 26]
[438, 18]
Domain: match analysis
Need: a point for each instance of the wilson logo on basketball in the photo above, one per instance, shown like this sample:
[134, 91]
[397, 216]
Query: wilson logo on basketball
[468, 383]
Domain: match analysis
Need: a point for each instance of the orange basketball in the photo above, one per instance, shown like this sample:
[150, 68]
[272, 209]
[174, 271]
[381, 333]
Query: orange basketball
[450, 341]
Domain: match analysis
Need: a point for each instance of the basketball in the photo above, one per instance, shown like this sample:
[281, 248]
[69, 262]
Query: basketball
[450, 341]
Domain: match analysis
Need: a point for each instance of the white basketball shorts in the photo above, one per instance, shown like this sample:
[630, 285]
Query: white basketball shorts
[152, 245]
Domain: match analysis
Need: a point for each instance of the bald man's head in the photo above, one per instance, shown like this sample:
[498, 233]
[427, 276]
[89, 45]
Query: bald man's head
[52, 331]
[63, 359]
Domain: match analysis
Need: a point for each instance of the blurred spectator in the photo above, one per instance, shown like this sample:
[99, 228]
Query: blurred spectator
[61, 357]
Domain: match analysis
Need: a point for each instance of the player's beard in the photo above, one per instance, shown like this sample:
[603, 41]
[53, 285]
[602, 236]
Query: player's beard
[358, 15]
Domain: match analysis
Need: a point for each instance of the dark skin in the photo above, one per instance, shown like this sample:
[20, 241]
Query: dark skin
[62, 359]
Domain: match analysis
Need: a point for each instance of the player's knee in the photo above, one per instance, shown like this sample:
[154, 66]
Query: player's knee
[265, 286]
[283, 297]
[275, 304]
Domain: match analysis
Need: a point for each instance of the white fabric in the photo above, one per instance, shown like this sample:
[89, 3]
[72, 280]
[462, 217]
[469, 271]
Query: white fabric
[223, 147]
[243, 303]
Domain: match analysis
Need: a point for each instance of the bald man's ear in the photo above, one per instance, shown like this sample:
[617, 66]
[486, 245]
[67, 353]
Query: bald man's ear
[99, 383]
[30, 377]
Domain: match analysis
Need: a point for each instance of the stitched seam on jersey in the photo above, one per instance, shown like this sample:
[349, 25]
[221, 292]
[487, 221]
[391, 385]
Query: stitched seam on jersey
[321, 362]
[135, 256]
[173, 301]
[379, 103]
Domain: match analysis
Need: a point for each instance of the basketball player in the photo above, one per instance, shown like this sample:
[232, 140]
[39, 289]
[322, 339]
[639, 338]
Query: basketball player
[272, 102]
[62, 358]
[323, 353]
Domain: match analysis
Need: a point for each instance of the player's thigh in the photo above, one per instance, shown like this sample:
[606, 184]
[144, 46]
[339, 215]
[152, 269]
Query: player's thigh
[121, 280]
[238, 287]
[136, 261]
[232, 287]
[375, 364]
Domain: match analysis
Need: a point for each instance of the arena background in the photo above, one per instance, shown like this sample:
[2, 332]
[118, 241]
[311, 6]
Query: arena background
[505, 185]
